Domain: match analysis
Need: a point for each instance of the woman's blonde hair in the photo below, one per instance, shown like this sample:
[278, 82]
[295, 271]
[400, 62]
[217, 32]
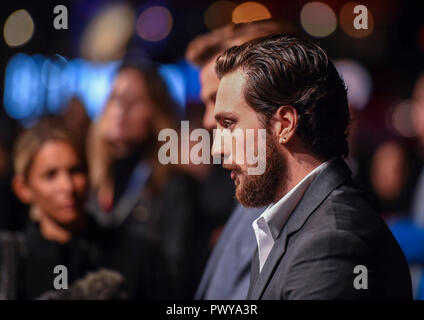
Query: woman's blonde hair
[31, 140]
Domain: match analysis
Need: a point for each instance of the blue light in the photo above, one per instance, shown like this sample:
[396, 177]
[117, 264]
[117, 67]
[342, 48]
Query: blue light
[23, 95]
[55, 79]
[94, 86]
[35, 85]
[174, 79]
[191, 75]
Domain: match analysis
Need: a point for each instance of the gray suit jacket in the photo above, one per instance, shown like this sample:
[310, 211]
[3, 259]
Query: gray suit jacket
[332, 230]
[227, 273]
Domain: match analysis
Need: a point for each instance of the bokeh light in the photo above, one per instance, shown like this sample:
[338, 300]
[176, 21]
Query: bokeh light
[219, 14]
[23, 94]
[399, 119]
[35, 85]
[154, 23]
[53, 72]
[318, 19]
[346, 20]
[358, 82]
[18, 28]
[250, 11]
[175, 81]
[108, 33]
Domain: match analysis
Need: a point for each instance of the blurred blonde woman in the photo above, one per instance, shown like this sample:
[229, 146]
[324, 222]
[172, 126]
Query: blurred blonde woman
[50, 177]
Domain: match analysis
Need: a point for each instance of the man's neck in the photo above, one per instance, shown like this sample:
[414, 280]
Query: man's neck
[299, 165]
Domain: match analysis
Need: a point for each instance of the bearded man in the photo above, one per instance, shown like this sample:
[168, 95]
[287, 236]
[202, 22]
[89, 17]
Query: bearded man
[319, 237]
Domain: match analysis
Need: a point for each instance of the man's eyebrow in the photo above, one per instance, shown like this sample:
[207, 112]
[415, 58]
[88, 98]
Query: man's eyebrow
[225, 115]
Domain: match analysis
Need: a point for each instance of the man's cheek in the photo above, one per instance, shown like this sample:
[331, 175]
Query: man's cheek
[256, 151]
[239, 147]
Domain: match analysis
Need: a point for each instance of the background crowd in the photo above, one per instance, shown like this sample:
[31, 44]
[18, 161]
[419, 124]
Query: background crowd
[82, 107]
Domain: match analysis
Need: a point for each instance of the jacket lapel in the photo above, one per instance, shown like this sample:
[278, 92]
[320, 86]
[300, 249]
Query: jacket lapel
[264, 276]
[333, 176]
[254, 274]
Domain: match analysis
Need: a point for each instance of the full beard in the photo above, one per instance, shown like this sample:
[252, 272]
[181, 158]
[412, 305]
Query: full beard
[261, 190]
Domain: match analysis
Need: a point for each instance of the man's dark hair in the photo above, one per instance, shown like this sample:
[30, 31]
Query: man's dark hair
[284, 70]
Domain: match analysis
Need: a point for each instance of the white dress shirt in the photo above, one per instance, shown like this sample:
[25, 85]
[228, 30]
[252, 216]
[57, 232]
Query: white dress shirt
[272, 220]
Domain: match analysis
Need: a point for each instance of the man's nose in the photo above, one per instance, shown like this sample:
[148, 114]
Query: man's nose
[216, 149]
[219, 150]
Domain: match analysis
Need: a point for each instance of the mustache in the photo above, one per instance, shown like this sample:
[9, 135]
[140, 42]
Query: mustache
[233, 167]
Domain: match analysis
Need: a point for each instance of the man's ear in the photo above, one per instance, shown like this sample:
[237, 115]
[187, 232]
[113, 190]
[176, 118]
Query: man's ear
[285, 123]
[21, 189]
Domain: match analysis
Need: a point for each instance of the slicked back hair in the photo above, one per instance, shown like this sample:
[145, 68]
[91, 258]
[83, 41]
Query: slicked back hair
[285, 70]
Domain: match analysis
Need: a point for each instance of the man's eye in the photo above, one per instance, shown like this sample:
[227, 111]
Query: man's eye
[227, 123]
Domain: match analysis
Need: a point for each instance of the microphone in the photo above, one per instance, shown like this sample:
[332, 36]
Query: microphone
[103, 284]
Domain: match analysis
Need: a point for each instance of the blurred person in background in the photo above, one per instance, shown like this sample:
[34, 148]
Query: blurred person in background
[14, 213]
[392, 178]
[418, 118]
[212, 207]
[227, 272]
[76, 119]
[134, 196]
[4, 187]
[50, 176]
[409, 231]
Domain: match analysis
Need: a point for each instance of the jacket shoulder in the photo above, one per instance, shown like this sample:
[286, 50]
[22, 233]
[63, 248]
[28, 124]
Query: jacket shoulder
[343, 232]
